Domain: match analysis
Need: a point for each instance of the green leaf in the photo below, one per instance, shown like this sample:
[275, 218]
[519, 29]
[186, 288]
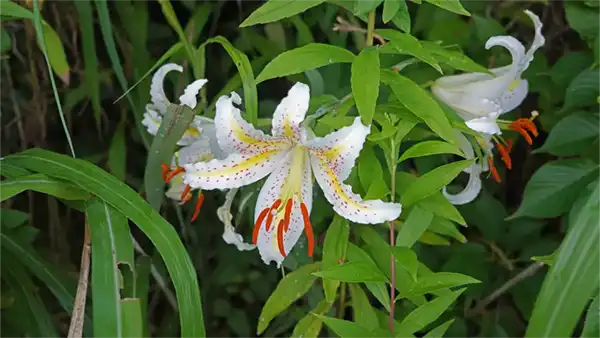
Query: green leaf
[450, 5]
[365, 6]
[446, 227]
[417, 100]
[401, 43]
[131, 317]
[402, 19]
[574, 277]
[173, 126]
[353, 272]
[275, 10]
[438, 331]
[117, 153]
[110, 240]
[569, 66]
[433, 181]
[12, 218]
[428, 312]
[453, 58]
[582, 19]
[293, 286]
[334, 251]
[247, 75]
[583, 90]
[591, 328]
[43, 184]
[298, 60]
[364, 314]
[416, 223]
[310, 326]
[378, 289]
[390, 8]
[572, 135]
[427, 148]
[553, 188]
[128, 202]
[365, 83]
[439, 281]
[345, 328]
[143, 266]
[169, 13]
[5, 41]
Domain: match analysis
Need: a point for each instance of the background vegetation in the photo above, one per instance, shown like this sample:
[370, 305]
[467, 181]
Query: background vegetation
[466, 271]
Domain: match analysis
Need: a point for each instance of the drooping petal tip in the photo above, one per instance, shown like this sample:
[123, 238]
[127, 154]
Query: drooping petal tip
[157, 92]
[189, 94]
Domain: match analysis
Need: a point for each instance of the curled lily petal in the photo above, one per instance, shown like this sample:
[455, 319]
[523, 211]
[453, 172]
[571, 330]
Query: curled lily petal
[189, 94]
[470, 192]
[538, 40]
[157, 93]
[485, 125]
[291, 112]
[151, 120]
[229, 234]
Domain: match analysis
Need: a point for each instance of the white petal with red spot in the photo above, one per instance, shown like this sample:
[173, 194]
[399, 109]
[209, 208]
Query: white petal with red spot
[341, 148]
[291, 112]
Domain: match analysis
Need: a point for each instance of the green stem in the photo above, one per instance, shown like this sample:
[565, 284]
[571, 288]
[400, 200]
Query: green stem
[342, 301]
[392, 238]
[371, 28]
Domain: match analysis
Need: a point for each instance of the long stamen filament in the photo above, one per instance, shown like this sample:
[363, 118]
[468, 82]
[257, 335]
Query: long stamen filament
[173, 173]
[199, 203]
[184, 194]
[493, 170]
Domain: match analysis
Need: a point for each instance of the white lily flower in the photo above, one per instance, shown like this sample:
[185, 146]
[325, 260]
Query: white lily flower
[481, 98]
[290, 158]
[155, 110]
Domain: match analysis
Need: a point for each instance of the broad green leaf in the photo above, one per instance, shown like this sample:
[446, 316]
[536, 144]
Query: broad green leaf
[334, 252]
[365, 6]
[390, 8]
[486, 27]
[364, 314]
[433, 181]
[131, 317]
[378, 289]
[572, 135]
[583, 91]
[28, 300]
[143, 266]
[582, 19]
[275, 10]
[293, 286]
[439, 281]
[303, 58]
[450, 5]
[453, 58]
[417, 100]
[428, 312]
[12, 218]
[553, 188]
[353, 272]
[43, 184]
[107, 229]
[416, 223]
[402, 43]
[574, 277]
[402, 18]
[438, 331]
[173, 126]
[310, 326]
[591, 328]
[445, 227]
[569, 66]
[247, 75]
[128, 202]
[365, 83]
[370, 171]
[344, 328]
[5, 41]
[427, 148]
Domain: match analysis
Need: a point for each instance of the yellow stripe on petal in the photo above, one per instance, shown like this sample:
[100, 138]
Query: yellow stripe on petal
[250, 162]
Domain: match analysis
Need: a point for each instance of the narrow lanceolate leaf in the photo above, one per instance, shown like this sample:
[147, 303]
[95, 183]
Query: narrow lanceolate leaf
[574, 277]
[43, 184]
[438, 331]
[307, 57]
[402, 43]
[553, 188]
[591, 327]
[131, 317]
[428, 312]
[107, 227]
[245, 70]
[390, 8]
[365, 83]
[293, 286]
[171, 17]
[353, 272]
[310, 325]
[427, 148]
[450, 5]
[364, 314]
[439, 281]
[37, 320]
[415, 225]
[128, 202]
[275, 10]
[417, 100]
[433, 181]
[117, 153]
[175, 122]
[344, 328]
[453, 58]
[334, 252]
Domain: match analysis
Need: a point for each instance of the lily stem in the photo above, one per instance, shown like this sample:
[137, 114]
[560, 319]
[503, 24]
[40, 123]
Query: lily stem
[370, 28]
[392, 237]
[342, 302]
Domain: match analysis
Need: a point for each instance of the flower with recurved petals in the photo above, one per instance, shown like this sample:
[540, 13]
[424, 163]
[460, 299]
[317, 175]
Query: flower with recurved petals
[290, 157]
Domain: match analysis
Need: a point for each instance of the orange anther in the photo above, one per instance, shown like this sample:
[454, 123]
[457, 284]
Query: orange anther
[270, 215]
[494, 170]
[505, 153]
[173, 173]
[308, 230]
[280, 238]
[259, 220]
[184, 194]
[531, 127]
[199, 203]
[165, 171]
[288, 212]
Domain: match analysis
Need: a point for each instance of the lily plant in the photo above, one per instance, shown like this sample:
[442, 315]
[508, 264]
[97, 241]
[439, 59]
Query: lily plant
[290, 157]
[480, 99]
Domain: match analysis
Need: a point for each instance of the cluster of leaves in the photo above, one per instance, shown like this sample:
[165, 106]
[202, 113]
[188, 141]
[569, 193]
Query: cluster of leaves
[408, 157]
